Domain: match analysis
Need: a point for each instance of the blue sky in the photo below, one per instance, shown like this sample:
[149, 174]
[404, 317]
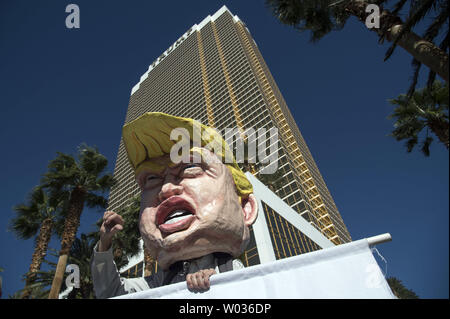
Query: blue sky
[61, 87]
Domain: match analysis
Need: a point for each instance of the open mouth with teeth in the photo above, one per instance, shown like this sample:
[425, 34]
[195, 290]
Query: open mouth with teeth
[174, 214]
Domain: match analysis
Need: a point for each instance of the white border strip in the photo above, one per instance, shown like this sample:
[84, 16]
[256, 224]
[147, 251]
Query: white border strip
[136, 259]
[261, 230]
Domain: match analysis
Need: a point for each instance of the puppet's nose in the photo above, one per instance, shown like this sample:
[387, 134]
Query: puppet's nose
[168, 190]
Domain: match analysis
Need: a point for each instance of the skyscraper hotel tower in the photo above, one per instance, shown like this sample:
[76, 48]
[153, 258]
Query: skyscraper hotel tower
[215, 74]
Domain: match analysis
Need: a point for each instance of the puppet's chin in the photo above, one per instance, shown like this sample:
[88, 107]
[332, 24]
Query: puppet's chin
[199, 246]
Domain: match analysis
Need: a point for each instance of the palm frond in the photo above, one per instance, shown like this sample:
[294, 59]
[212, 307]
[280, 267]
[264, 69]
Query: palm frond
[104, 183]
[398, 7]
[94, 201]
[23, 226]
[425, 109]
[426, 145]
[318, 17]
[30, 216]
[411, 142]
[416, 67]
[433, 29]
[90, 160]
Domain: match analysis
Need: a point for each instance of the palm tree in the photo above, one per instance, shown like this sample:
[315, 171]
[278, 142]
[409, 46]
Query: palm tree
[83, 181]
[273, 181]
[126, 243]
[324, 16]
[420, 10]
[37, 291]
[42, 216]
[80, 255]
[426, 109]
[399, 290]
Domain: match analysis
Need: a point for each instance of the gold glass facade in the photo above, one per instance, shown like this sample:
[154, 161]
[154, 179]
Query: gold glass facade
[287, 240]
[216, 75]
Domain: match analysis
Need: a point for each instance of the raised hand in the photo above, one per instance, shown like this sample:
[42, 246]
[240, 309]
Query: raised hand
[112, 223]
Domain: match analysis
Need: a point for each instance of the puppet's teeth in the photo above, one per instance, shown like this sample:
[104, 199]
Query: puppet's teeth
[176, 216]
[176, 219]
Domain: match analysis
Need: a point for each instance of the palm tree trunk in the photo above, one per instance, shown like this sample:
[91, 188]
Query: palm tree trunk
[40, 250]
[59, 275]
[76, 204]
[390, 26]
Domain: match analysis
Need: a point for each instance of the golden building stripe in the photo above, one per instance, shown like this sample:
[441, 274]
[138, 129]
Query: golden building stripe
[286, 134]
[209, 110]
[228, 82]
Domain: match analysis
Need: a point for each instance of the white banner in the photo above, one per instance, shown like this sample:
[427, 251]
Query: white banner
[340, 272]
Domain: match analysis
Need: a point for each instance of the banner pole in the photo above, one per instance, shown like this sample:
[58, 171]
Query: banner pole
[379, 239]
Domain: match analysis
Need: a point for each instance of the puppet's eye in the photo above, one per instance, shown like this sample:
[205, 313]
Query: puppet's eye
[191, 170]
[150, 181]
[190, 166]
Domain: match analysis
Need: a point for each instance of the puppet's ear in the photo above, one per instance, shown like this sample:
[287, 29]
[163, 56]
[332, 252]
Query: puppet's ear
[250, 209]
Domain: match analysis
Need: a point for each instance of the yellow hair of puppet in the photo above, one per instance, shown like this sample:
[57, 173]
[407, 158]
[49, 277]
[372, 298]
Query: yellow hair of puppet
[148, 137]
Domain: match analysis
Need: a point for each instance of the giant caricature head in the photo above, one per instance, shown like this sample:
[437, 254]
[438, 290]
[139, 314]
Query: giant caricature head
[191, 208]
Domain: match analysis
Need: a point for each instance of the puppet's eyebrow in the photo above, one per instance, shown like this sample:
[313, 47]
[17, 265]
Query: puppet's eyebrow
[205, 157]
[212, 164]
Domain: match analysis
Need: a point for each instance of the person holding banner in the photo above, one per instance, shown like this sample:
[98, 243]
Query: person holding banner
[196, 208]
